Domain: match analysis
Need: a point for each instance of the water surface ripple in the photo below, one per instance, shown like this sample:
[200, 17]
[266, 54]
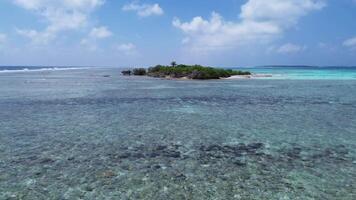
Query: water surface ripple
[78, 134]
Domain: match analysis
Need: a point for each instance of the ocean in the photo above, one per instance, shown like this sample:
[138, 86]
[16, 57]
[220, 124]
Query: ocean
[90, 133]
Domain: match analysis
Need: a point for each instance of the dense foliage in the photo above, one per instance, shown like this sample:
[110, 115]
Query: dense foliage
[139, 71]
[192, 72]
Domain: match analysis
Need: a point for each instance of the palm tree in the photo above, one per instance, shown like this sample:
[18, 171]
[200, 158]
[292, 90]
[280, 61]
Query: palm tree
[173, 63]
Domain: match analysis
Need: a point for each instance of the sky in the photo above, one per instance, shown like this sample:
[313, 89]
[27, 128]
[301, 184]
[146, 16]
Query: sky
[222, 33]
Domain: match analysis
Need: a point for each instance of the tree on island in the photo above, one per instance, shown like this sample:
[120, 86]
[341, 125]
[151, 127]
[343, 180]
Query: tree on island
[173, 63]
[139, 71]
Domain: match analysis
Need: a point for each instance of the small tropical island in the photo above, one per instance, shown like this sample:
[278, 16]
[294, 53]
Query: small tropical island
[182, 71]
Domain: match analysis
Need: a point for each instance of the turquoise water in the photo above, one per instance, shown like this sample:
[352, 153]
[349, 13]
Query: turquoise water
[80, 134]
[305, 73]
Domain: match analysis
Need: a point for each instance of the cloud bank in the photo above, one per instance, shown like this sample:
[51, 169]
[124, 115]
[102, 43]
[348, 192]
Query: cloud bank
[260, 21]
[63, 15]
[100, 32]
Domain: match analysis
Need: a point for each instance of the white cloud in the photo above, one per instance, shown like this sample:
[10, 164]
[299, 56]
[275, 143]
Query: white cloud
[61, 16]
[100, 32]
[37, 37]
[128, 48]
[350, 43]
[97, 33]
[260, 21]
[29, 4]
[282, 13]
[290, 48]
[144, 10]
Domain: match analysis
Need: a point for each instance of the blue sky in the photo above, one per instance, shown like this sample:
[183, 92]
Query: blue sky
[222, 33]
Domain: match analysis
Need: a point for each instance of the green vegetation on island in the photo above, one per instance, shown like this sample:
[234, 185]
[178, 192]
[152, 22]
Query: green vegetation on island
[186, 71]
[139, 71]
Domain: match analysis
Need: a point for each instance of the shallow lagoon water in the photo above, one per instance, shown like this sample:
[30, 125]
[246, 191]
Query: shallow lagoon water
[75, 134]
[307, 72]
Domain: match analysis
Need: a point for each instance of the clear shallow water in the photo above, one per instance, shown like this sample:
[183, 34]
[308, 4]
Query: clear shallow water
[308, 73]
[76, 134]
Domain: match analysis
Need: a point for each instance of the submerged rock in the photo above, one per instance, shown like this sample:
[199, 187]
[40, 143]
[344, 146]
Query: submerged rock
[107, 174]
[255, 145]
[46, 161]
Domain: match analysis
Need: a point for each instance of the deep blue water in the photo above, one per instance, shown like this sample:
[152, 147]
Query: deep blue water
[79, 134]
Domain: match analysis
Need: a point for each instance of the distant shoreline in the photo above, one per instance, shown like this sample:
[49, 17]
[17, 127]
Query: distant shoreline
[37, 69]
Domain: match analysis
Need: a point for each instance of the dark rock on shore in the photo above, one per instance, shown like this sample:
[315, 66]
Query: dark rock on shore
[126, 72]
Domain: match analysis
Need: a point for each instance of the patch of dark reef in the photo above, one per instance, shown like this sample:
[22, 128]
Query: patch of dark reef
[164, 155]
[185, 71]
[161, 156]
[249, 166]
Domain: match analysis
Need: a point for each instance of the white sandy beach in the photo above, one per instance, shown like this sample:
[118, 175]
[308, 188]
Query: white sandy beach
[250, 76]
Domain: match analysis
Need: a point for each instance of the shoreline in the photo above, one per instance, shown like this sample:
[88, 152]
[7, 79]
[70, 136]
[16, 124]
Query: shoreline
[252, 76]
[234, 77]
